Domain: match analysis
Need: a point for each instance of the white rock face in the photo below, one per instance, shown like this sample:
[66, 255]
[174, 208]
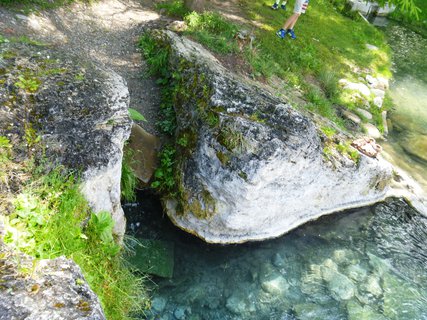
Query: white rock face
[101, 185]
[273, 177]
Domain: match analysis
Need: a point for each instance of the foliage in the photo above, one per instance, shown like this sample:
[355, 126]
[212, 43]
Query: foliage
[30, 84]
[157, 57]
[135, 115]
[174, 8]
[213, 31]
[419, 25]
[164, 179]
[128, 179]
[328, 131]
[51, 220]
[347, 150]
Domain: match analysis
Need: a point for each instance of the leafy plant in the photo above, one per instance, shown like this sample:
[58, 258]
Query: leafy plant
[51, 220]
[164, 178]
[135, 115]
[128, 180]
[30, 84]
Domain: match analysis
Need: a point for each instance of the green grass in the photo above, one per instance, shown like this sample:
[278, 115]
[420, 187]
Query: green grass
[174, 8]
[52, 218]
[128, 180]
[213, 31]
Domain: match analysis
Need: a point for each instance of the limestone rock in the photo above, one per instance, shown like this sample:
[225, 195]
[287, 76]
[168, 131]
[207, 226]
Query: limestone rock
[275, 284]
[356, 312]
[358, 87]
[341, 287]
[372, 131]
[417, 147]
[378, 101]
[56, 290]
[351, 116]
[253, 158]
[79, 110]
[364, 113]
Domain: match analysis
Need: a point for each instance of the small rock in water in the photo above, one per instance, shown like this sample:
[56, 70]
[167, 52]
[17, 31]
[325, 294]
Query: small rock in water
[278, 261]
[356, 312]
[236, 304]
[179, 313]
[356, 272]
[158, 304]
[341, 287]
[275, 284]
[373, 286]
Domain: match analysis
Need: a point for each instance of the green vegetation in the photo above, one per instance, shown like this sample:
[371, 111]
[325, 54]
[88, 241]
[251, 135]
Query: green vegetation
[164, 176]
[174, 8]
[347, 150]
[128, 180]
[50, 219]
[213, 31]
[135, 115]
[419, 25]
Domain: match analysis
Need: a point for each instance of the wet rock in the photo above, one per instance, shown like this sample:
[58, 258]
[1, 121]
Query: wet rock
[253, 157]
[356, 312]
[372, 285]
[380, 266]
[158, 304]
[179, 313]
[237, 304]
[275, 284]
[356, 272]
[329, 269]
[278, 261]
[313, 311]
[341, 287]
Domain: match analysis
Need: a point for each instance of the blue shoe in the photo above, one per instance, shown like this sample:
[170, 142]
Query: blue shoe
[275, 6]
[291, 33]
[281, 33]
[283, 6]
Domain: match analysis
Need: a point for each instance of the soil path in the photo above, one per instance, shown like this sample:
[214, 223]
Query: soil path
[105, 32]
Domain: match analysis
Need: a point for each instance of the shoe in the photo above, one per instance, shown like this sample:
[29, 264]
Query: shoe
[281, 33]
[291, 33]
[275, 6]
[283, 6]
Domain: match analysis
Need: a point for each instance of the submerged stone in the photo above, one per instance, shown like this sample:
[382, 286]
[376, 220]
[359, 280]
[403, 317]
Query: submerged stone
[154, 257]
[341, 287]
[356, 312]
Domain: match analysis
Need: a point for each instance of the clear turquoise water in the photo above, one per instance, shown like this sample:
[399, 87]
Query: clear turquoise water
[407, 142]
[361, 264]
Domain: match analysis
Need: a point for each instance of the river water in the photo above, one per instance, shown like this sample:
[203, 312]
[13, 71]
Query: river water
[369, 263]
[407, 142]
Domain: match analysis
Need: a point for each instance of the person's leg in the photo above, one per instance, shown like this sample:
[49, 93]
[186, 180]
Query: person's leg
[294, 21]
[290, 23]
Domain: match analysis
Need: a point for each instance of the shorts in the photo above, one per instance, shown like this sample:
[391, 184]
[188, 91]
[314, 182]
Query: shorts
[300, 6]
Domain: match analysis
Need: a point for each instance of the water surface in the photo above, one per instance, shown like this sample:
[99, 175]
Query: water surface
[361, 264]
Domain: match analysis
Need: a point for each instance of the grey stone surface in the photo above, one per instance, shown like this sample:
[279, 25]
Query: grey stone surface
[260, 171]
[48, 290]
[79, 111]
